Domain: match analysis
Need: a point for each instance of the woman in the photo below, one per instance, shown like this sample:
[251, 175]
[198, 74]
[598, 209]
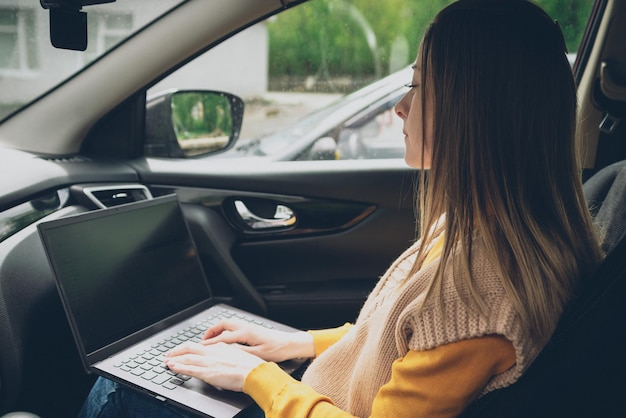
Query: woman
[505, 237]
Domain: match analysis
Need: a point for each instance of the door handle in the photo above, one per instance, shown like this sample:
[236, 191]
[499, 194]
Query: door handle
[283, 217]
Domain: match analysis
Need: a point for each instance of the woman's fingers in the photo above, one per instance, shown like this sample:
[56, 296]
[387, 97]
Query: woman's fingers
[218, 329]
[228, 337]
[225, 326]
[221, 365]
[268, 344]
[190, 364]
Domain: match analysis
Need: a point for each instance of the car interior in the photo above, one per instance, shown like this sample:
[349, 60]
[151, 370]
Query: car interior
[81, 147]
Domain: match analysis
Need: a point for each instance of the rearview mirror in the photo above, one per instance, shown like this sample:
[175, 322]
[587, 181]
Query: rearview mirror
[68, 25]
[182, 124]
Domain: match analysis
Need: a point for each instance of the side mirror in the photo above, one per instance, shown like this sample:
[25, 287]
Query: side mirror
[324, 148]
[183, 124]
[349, 145]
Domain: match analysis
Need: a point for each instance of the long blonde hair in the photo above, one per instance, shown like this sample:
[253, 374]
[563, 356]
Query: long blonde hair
[504, 161]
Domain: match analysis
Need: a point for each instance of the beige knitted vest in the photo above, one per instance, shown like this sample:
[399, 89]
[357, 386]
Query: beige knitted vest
[352, 370]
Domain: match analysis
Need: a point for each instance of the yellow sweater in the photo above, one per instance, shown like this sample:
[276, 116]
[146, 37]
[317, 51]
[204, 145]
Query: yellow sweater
[435, 382]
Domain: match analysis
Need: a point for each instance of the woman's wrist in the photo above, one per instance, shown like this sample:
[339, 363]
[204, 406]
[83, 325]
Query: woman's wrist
[302, 345]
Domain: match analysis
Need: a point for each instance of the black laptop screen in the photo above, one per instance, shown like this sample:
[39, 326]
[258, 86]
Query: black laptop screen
[125, 268]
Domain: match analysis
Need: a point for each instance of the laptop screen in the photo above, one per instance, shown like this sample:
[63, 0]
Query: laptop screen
[120, 269]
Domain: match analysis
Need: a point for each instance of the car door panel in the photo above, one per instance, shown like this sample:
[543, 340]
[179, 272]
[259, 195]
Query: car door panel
[352, 223]
[289, 295]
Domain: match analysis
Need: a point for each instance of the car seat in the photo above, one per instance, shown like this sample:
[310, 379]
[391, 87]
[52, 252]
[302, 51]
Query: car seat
[580, 373]
[606, 197]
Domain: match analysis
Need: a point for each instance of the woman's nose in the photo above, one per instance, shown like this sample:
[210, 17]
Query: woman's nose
[401, 109]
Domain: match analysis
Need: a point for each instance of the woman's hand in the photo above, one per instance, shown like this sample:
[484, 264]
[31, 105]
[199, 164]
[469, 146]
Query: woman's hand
[268, 344]
[221, 365]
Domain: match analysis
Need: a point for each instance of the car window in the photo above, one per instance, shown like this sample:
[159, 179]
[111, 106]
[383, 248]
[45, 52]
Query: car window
[319, 81]
[307, 58]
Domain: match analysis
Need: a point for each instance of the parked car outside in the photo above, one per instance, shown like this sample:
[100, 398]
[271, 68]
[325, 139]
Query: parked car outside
[356, 126]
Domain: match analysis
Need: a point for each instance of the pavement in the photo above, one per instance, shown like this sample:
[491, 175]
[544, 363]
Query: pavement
[275, 111]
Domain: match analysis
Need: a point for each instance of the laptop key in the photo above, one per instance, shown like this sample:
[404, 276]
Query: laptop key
[176, 381]
[160, 379]
[169, 385]
[149, 375]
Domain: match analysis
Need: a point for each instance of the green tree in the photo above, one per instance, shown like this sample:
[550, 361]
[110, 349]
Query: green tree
[343, 37]
[198, 115]
[313, 39]
[366, 39]
[572, 16]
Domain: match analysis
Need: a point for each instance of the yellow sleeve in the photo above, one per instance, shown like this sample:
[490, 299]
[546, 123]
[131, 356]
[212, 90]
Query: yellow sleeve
[443, 381]
[435, 383]
[324, 338]
[281, 396]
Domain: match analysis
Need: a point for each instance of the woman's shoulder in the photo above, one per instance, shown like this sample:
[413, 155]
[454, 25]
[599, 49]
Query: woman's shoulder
[450, 316]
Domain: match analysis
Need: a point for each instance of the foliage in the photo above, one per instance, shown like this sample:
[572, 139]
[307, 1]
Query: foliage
[572, 16]
[340, 37]
[329, 38]
[198, 115]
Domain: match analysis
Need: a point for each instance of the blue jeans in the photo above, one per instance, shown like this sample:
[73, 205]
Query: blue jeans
[109, 399]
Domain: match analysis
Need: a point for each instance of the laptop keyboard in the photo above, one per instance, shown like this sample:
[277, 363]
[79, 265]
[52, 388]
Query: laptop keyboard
[149, 364]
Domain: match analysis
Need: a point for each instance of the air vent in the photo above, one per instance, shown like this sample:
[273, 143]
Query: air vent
[108, 196]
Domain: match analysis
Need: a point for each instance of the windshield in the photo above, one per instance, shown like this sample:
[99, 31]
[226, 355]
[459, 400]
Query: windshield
[30, 65]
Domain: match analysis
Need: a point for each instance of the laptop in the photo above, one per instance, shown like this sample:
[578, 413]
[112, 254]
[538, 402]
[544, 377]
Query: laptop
[133, 287]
